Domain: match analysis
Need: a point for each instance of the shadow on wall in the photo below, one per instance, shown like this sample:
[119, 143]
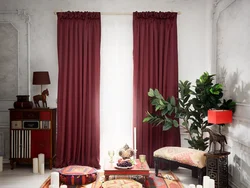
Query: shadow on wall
[234, 88]
[241, 171]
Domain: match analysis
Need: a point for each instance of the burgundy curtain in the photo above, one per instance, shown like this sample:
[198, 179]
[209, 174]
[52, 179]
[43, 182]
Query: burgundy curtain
[155, 66]
[78, 121]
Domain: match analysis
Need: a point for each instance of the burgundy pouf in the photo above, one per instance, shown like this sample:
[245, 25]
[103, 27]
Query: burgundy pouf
[77, 175]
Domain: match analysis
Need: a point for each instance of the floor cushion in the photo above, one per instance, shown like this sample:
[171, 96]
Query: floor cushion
[77, 175]
[121, 183]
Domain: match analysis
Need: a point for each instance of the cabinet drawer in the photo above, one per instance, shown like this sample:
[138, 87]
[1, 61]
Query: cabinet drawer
[45, 115]
[41, 143]
[16, 115]
[16, 124]
[31, 124]
[30, 115]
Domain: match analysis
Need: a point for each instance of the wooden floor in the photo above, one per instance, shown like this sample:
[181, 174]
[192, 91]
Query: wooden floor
[22, 176]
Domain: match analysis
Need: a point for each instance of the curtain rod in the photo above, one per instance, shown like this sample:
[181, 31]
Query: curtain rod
[117, 13]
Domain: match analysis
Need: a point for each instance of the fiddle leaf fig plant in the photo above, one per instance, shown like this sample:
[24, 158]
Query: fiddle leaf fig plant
[190, 108]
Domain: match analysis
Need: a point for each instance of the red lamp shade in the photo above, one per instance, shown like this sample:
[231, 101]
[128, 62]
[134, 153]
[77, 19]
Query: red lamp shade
[41, 78]
[220, 116]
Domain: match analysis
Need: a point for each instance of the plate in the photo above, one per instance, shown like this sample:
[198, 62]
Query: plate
[120, 167]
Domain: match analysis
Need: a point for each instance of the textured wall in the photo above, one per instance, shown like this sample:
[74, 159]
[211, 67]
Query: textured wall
[233, 51]
[192, 31]
[13, 68]
[9, 61]
[233, 72]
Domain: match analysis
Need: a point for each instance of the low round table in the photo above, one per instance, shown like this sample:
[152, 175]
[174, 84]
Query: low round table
[121, 183]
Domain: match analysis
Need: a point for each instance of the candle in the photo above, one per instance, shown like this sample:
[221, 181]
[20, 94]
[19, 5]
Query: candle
[55, 179]
[191, 186]
[211, 183]
[41, 167]
[63, 186]
[40, 160]
[199, 186]
[206, 182]
[35, 165]
[1, 163]
[134, 138]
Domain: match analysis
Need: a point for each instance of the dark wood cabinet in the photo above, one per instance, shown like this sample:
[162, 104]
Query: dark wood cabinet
[217, 168]
[32, 131]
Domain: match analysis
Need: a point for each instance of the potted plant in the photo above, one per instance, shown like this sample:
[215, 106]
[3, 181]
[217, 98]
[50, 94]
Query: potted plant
[190, 108]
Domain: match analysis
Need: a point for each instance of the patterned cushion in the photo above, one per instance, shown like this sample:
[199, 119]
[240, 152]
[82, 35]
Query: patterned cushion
[121, 183]
[187, 156]
[78, 175]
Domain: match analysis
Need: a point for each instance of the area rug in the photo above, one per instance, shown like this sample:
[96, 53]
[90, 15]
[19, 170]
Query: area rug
[164, 180]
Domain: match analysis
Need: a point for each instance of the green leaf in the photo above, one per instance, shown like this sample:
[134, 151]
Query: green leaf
[172, 101]
[147, 119]
[186, 98]
[161, 102]
[157, 108]
[157, 94]
[176, 124]
[164, 111]
[185, 123]
[166, 126]
[176, 110]
[169, 107]
[151, 93]
[155, 102]
[168, 120]
[181, 103]
[160, 122]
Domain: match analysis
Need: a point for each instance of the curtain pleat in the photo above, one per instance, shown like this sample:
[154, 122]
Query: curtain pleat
[155, 66]
[78, 121]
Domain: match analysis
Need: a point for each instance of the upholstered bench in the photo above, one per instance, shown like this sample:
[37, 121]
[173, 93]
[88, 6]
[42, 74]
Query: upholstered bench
[77, 175]
[185, 157]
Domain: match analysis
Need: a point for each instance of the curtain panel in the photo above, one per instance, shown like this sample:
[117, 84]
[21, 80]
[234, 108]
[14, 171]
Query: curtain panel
[155, 66]
[78, 122]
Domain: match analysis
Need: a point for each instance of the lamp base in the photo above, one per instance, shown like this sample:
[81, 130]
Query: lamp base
[42, 98]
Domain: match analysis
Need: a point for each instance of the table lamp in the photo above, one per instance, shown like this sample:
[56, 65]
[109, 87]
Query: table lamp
[220, 117]
[41, 78]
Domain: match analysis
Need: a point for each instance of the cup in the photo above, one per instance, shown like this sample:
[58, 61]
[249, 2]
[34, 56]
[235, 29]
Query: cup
[111, 154]
[142, 159]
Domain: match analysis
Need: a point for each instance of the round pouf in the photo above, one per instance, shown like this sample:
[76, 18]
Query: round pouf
[77, 175]
[121, 183]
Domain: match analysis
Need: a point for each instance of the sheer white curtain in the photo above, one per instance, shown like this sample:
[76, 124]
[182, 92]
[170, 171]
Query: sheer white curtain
[116, 83]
